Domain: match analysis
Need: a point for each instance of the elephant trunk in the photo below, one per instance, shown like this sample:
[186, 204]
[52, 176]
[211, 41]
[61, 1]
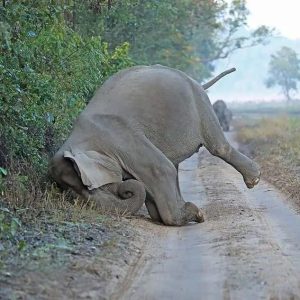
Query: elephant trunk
[122, 197]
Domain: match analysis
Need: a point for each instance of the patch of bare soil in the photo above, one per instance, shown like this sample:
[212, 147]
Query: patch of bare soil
[66, 260]
[247, 248]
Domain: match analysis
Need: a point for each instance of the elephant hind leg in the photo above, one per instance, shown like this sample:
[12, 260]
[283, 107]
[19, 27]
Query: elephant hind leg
[216, 143]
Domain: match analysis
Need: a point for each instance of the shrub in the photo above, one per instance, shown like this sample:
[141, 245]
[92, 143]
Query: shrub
[48, 72]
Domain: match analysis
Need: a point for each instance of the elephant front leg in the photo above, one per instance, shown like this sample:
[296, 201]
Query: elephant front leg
[152, 209]
[150, 166]
[168, 205]
[147, 164]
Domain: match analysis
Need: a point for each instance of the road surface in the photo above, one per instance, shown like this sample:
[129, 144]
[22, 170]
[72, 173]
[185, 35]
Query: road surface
[248, 247]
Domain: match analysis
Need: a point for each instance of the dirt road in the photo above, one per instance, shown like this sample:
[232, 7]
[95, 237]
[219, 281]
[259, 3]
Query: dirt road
[248, 248]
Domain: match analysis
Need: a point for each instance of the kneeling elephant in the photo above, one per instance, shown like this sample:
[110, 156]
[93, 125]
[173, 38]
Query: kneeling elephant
[126, 145]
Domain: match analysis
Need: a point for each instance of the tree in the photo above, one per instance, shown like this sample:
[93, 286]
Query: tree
[185, 34]
[48, 71]
[284, 71]
[53, 55]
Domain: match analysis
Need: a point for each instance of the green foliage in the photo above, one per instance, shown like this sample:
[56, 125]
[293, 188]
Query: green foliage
[3, 173]
[284, 70]
[8, 224]
[10, 227]
[48, 71]
[54, 54]
[188, 35]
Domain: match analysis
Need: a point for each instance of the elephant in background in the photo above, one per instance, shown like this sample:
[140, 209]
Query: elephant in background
[223, 113]
[126, 145]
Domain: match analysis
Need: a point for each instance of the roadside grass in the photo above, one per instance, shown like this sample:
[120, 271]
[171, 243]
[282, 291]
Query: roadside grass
[40, 224]
[275, 144]
[32, 202]
[267, 108]
[33, 198]
[47, 235]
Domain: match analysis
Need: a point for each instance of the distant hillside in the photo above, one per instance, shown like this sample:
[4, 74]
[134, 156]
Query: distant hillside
[247, 83]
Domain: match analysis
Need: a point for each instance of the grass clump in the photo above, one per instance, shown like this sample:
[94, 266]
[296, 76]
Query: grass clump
[36, 219]
[274, 143]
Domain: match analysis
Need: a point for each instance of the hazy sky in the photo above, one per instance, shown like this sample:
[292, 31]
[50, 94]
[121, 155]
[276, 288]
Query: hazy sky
[282, 14]
[247, 84]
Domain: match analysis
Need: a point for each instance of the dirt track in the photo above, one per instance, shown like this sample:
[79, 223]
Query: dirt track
[248, 248]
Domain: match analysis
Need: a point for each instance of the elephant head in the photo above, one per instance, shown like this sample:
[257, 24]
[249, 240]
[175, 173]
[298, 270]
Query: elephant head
[98, 178]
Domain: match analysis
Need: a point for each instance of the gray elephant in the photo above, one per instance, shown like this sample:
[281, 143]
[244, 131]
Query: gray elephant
[223, 113]
[126, 145]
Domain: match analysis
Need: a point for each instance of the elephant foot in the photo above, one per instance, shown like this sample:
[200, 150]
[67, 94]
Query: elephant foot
[252, 176]
[252, 181]
[200, 217]
[192, 213]
[189, 212]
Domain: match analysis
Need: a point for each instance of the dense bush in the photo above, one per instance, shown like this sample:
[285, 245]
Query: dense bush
[47, 71]
[274, 143]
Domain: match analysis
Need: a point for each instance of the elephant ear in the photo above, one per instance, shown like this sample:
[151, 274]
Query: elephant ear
[95, 169]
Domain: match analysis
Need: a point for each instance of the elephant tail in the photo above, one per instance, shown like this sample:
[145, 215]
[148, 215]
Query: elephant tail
[214, 80]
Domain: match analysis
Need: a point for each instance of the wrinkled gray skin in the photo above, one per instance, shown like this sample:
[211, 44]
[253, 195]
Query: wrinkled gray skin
[223, 113]
[140, 125]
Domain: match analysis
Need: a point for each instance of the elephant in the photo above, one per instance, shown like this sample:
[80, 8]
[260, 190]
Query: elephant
[126, 145]
[223, 113]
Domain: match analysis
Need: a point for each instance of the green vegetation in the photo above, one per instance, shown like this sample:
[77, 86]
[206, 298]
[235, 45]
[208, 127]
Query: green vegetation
[8, 224]
[274, 143]
[47, 71]
[284, 71]
[266, 108]
[54, 54]
[188, 35]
